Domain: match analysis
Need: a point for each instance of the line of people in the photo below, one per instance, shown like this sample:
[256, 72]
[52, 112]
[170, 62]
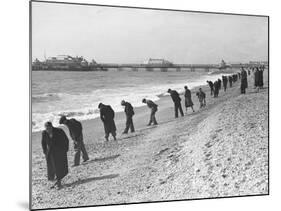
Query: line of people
[55, 143]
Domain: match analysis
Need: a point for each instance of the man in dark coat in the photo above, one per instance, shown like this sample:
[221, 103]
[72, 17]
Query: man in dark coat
[55, 147]
[188, 101]
[256, 76]
[129, 111]
[216, 89]
[107, 117]
[244, 82]
[177, 102]
[233, 78]
[211, 85]
[150, 104]
[75, 131]
[261, 69]
[230, 81]
[219, 83]
[224, 82]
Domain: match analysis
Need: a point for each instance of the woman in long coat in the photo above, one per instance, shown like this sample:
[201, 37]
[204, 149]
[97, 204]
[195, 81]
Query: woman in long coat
[188, 101]
[55, 146]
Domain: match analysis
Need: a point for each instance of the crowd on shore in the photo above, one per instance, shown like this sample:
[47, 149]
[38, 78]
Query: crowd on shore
[55, 143]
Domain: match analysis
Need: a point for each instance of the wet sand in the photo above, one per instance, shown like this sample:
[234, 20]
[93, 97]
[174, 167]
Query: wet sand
[218, 151]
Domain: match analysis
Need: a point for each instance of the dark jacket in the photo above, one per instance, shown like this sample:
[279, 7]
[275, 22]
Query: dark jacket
[175, 96]
[211, 85]
[75, 128]
[56, 149]
[219, 83]
[107, 116]
[129, 110]
[151, 104]
[244, 81]
[106, 113]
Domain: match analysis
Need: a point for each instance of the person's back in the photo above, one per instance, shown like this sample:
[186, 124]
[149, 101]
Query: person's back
[75, 128]
[211, 85]
[129, 110]
[107, 112]
[175, 96]
[219, 83]
[151, 104]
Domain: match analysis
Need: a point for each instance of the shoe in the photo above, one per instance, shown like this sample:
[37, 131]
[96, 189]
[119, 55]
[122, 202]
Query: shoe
[125, 133]
[74, 165]
[57, 185]
[85, 160]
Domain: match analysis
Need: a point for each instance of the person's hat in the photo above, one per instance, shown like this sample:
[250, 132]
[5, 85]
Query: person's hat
[123, 102]
[62, 119]
[48, 124]
[185, 87]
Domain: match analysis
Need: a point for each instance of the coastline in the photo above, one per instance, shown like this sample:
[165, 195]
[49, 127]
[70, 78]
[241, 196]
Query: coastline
[204, 154]
[77, 106]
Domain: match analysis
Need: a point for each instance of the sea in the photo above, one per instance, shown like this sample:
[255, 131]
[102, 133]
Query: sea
[77, 94]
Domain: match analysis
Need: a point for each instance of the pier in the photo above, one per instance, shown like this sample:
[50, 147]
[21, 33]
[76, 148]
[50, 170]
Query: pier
[69, 63]
[175, 67]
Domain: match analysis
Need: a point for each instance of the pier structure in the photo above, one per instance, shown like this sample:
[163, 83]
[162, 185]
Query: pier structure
[165, 65]
[163, 68]
[80, 64]
[175, 67]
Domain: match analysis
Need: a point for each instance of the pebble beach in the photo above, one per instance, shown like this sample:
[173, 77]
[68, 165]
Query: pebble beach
[218, 151]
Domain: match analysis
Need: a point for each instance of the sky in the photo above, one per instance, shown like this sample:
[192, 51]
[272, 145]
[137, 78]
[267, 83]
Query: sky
[126, 35]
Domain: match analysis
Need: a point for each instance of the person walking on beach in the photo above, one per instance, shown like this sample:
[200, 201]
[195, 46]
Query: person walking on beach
[216, 89]
[75, 131]
[211, 85]
[244, 82]
[202, 98]
[107, 117]
[55, 146]
[188, 101]
[177, 102]
[256, 78]
[261, 69]
[153, 107]
[129, 111]
[219, 83]
[224, 82]
[230, 81]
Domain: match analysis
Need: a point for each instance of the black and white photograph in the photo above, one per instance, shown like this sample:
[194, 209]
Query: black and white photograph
[135, 105]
